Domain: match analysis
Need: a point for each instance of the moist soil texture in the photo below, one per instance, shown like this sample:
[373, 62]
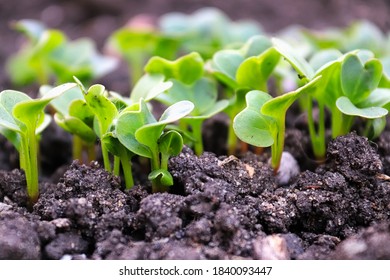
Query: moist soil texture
[220, 207]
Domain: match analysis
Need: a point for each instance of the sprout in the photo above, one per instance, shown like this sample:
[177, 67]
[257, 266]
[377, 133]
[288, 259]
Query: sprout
[138, 130]
[22, 119]
[48, 53]
[186, 76]
[262, 122]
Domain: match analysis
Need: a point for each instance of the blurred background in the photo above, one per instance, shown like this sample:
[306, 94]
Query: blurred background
[97, 19]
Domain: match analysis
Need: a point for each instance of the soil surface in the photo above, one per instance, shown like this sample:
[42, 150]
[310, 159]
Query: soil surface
[219, 207]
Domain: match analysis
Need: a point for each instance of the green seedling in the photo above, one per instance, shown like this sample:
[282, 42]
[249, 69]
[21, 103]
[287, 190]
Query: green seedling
[99, 112]
[206, 31]
[104, 111]
[74, 116]
[137, 45]
[242, 70]
[186, 75]
[148, 87]
[358, 81]
[138, 130]
[22, 119]
[346, 86]
[49, 54]
[358, 35]
[262, 122]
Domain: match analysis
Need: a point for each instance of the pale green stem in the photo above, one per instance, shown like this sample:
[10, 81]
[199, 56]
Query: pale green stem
[196, 125]
[317, 137]
[278, 145]
[106, 159]
[232, 139]
[77, 148]
[155, 165]
[127, 170]
[341, 124]
[117, 163]
[29, 163]
[91, 153]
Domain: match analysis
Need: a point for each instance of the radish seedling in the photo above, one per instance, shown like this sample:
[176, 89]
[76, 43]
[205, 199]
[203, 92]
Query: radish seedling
[206, 31]
[48, 53]
[138, 130]
[104, 112]
[262, 122]
[242, 70]
[186, 75]
[22, 118]
[137, 45]
[74, 116]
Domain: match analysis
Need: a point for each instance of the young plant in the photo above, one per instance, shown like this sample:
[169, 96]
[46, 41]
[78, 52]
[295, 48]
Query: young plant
[358, 80]
[48, 53]
[137, 44]
[101, 111]
[206, 31]
[186, 76]
[262, 122]
[22, 119]
[347, 90]
[74, 116]
[242, 70]
[138, 130]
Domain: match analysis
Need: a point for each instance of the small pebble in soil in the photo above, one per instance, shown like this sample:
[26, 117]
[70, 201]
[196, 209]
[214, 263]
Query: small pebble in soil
[288, 169]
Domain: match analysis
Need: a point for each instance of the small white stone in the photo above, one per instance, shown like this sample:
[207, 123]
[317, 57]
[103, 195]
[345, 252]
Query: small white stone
[288, 169]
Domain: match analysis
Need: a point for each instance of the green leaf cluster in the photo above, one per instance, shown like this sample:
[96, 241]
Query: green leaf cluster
[49, 54]
[186, 74]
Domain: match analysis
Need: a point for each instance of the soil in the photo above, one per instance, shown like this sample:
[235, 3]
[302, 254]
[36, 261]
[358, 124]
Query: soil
[219, 207]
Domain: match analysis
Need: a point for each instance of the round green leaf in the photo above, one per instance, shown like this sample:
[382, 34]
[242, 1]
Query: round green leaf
[176, 111]
[148, 87]
[171, 143]
[255, 71]
[358, 80]
[126, 126]
[186, 69]
[345, 105]
[225, 64]
[104, 110]
[8, 100]
[250, 125]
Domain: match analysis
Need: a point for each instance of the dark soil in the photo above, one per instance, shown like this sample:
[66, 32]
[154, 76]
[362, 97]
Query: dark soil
[219, 207]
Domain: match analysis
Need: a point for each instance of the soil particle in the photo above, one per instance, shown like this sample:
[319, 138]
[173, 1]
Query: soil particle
[341, 197]
[90, 198]
[271, 247]
[65, 243]
[13, 186]
[160, 215]
[319, 246]
[372, 243]
[353, 157]
[207, 172]
[384, 150]
[18, 237]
